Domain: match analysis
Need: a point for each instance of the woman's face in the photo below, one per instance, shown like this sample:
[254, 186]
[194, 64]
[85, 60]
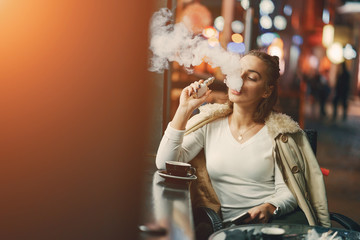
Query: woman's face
[253, 73]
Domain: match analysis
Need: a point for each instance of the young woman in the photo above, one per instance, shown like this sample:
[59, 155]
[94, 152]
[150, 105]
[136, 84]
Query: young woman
[257, 160]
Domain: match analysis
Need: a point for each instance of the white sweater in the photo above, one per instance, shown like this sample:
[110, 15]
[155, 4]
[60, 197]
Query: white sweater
[243, 175]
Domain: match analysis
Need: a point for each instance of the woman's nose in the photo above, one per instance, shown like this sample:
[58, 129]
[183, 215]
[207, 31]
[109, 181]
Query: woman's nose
[242, 74]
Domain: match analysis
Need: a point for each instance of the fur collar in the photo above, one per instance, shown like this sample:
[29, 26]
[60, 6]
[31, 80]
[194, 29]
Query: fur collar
[277, 123]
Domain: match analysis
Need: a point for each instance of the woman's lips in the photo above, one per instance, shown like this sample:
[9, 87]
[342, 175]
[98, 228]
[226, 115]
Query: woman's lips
[235, 92]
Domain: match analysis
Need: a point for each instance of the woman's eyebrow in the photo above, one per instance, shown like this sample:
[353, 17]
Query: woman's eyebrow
[250, 70]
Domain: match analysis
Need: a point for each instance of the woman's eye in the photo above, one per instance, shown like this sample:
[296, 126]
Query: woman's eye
[252, 78]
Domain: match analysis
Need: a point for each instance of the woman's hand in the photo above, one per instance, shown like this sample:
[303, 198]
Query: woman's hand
[188, 103]
[188, 97]
[261, 213]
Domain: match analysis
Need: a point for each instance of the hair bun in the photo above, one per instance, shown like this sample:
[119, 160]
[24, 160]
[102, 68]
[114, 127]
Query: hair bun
[276, 59]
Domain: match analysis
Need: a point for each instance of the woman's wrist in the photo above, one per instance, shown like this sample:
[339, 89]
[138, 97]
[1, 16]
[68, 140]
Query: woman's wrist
[181, 117]
[270, 208]
[185, 110]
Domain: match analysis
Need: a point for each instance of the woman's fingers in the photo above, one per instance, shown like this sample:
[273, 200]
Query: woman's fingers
[258, 215]
[254, 214]
[195, 86]
[262, 218]
[188, 90]
[189, 95]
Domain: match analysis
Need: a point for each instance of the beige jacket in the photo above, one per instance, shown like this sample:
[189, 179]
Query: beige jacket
[293, 154]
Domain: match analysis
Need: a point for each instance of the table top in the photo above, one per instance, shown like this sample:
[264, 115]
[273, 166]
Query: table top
[292, 231]
[167, 214]
[166, 209]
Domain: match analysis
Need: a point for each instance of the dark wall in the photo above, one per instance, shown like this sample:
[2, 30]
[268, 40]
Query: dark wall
[74, 108]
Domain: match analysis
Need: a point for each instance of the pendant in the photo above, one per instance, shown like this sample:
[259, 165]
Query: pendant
[240, 138]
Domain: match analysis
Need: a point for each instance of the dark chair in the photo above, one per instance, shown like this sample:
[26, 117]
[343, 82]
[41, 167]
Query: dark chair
[344, 221]
[207, 221]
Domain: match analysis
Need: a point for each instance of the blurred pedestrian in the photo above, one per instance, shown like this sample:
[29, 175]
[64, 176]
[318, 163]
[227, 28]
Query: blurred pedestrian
[319, 89]
[323, 91]
[342, 88]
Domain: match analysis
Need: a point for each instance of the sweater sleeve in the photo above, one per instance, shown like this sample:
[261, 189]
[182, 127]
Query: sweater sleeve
[174, 146]
[282, 198]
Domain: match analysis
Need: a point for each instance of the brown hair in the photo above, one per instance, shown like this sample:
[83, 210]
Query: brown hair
[266, 106]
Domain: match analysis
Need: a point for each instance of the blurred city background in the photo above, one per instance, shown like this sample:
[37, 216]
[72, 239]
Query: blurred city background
[318, 43]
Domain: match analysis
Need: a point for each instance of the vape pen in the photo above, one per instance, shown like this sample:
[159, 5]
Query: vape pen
[204, 86]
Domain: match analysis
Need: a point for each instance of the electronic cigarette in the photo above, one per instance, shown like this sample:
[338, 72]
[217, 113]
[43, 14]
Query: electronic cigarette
[204, 86]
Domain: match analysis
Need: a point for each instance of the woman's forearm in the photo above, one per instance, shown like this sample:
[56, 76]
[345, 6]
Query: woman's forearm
[169, 149]
[180, 119]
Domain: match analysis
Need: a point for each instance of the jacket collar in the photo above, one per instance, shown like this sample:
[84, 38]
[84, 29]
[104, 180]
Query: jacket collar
[277, 123]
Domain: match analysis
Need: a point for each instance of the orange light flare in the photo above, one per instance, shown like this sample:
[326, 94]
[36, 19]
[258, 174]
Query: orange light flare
[200, 68]
[278, 42]
[204, 67]
[276, 48]
[210, 69]
[210, 32]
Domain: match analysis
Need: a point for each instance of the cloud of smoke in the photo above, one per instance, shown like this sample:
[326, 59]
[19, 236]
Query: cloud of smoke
[175, 42]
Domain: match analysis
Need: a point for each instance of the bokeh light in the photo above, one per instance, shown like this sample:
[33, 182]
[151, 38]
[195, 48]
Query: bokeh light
[328, 35]
[349, 52]
[335, 53]
[237, 38]
[266, 7]
[287, 10]
[275, 51]
[326, 16]
[209, 32]
[314, 61]
[245, 4]
[266, 39]
[219, 23]
[280, 22]
[236, 47]
[265, 22]
[297, 40]
[237, 26]
[276, 48]
[278, 42]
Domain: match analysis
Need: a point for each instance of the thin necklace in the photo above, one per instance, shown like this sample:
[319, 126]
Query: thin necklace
[240, 137]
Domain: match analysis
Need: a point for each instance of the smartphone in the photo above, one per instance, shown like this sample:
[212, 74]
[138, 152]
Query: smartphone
[240, 218]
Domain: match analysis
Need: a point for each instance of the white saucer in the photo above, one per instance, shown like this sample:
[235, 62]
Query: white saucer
[163, 174]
